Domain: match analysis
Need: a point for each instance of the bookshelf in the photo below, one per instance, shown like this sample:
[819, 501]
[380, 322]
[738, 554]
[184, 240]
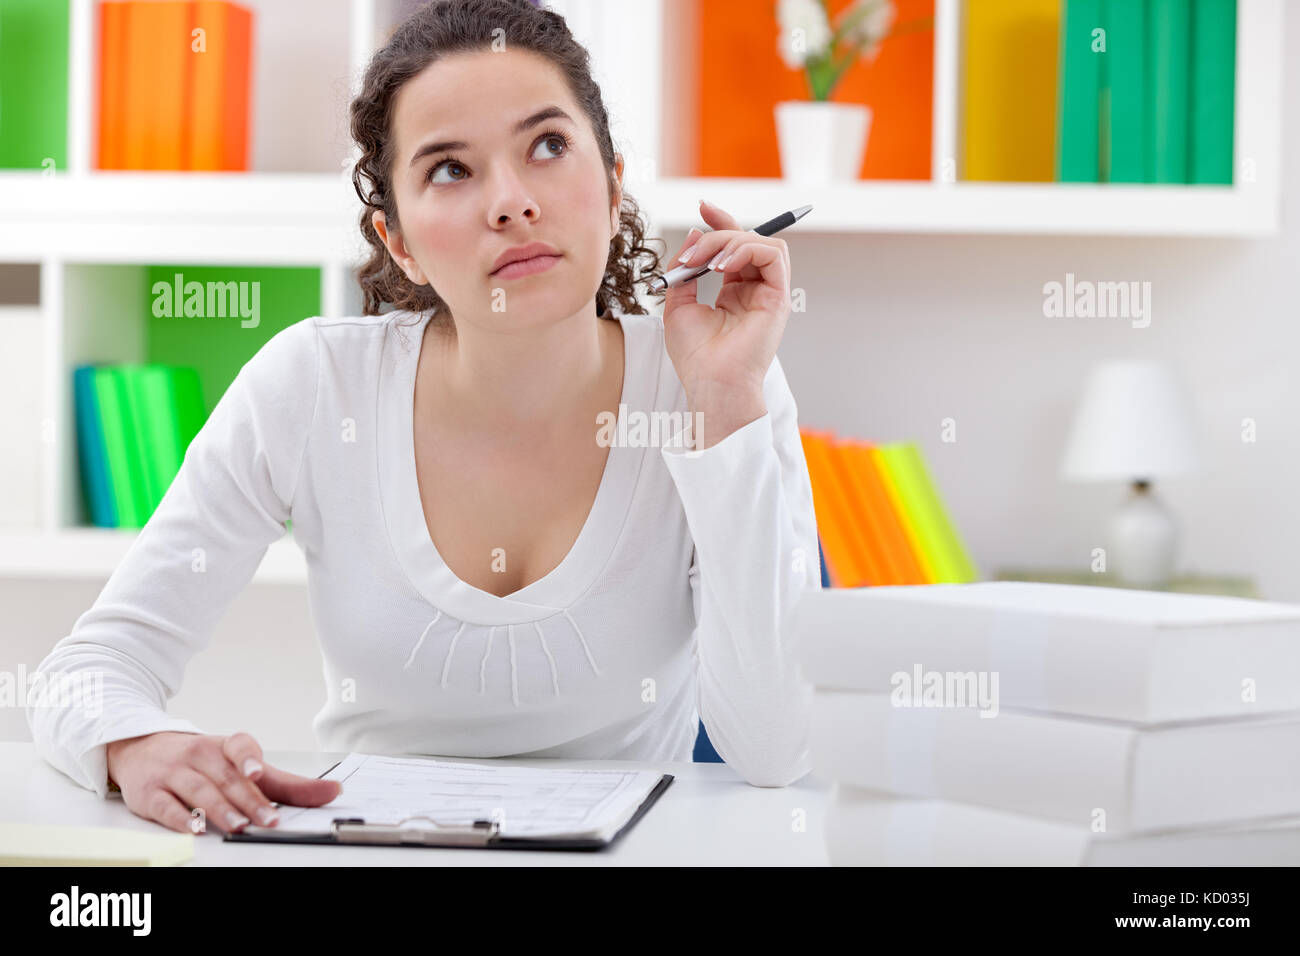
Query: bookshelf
[89, 236]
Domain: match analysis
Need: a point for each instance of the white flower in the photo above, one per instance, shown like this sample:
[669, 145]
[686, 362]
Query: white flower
[805, 34]
[876, 18]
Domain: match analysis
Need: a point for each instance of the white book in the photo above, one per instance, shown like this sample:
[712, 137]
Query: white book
[874, 829]
[20, 425]
[1126, 777]
[1143, 656]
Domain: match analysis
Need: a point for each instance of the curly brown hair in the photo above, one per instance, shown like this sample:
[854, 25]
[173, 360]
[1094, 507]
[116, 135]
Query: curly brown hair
[439, 29]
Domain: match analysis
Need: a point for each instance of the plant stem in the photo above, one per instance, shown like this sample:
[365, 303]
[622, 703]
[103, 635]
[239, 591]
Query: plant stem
[849, 23]
[824, 73]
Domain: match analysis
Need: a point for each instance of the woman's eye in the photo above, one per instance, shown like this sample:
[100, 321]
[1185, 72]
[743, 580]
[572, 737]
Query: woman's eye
[556, 138]
[543, 143]
[441, 165]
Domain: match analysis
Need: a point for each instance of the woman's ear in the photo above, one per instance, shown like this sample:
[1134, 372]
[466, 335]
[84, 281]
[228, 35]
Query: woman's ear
[397, 249]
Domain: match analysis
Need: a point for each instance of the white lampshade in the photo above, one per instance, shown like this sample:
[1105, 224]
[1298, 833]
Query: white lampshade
[1135, 421]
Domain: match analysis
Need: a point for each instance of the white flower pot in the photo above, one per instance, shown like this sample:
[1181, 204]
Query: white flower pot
[822, 142]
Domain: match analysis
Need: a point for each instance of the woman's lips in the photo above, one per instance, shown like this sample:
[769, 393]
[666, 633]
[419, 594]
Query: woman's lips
[526, 267]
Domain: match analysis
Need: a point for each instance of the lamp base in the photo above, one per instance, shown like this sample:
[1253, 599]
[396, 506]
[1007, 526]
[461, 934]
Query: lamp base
[1143, 539]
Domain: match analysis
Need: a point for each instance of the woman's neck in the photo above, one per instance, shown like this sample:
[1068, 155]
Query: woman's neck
[529, 381]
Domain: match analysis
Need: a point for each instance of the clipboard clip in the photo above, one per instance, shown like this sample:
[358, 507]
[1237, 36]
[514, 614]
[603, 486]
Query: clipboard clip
[356, 830]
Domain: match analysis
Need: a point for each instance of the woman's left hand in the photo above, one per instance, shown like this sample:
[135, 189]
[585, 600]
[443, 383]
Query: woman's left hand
[722, 353]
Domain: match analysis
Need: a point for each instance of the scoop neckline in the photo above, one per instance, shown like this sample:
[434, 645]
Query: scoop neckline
[404, 512]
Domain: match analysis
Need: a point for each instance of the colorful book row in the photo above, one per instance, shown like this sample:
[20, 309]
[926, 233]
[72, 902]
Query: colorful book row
[134, 423]
[1147, 91]
[1139, 91]
[880, 518]
[174, 83]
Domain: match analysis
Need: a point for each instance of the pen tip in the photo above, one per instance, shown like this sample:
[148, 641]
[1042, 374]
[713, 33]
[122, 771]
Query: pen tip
[801, 212]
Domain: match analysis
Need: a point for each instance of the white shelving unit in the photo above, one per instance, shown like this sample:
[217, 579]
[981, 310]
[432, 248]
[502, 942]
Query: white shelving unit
[297, 206]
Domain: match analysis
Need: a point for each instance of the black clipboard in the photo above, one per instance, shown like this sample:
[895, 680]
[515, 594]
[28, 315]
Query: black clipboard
[479, 835]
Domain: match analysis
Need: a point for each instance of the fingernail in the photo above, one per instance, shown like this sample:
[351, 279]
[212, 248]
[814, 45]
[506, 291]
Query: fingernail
[235, 820]
[267, 816]
[688, 253]
[717, 259]
[251, 767]
[707, 203]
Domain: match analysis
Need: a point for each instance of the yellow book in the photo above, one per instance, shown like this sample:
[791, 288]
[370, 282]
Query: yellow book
[908, 521]
[1009, 114]
[46, 844]
[943, 547]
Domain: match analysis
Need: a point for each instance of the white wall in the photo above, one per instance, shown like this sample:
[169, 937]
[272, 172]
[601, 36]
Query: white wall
[261, 673]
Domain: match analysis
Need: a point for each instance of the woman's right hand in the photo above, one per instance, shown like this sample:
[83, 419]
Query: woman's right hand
[163, 775]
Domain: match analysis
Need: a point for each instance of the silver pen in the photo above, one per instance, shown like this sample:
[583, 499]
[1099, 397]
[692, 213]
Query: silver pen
[677, 276]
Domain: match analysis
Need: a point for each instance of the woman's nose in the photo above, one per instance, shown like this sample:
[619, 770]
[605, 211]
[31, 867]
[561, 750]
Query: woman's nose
[528, 213]
[512, 199]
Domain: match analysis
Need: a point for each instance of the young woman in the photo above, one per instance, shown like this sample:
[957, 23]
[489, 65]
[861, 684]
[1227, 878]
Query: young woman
[493, 569]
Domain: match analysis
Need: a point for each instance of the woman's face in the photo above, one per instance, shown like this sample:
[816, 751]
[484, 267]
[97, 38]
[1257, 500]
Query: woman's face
[461, 206]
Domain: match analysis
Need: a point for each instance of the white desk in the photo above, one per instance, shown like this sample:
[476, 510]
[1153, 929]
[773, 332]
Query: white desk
[708, 816]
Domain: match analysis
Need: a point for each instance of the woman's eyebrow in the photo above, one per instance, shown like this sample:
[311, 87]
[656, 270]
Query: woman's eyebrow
[541, 116]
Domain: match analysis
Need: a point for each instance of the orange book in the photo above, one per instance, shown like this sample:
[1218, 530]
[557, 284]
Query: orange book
[834, 528]
[221, 78]
[861, 475]
[742, 77]
[112, 85]
[875, 562]
[156, 84]
[910, 534]
[902, 562]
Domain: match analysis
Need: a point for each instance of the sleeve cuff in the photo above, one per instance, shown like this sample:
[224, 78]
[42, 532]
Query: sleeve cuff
[738, 447]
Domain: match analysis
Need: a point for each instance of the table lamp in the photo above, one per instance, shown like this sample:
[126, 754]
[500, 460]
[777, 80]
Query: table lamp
[1134, 424]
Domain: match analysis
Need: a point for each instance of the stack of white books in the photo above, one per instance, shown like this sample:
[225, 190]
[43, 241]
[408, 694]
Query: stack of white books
[1011, 723]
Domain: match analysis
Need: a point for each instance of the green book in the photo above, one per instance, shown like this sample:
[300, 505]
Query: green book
[1169, 36]
[147, 391]
[1126, 139]
[939, 539]
[1213, 93]
[34, 84]
[187, 398]
[1078, 118]
[168, 408]
[120, 446]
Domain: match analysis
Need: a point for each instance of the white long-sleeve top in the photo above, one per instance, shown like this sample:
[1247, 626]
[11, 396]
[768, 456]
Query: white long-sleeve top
[671, 606]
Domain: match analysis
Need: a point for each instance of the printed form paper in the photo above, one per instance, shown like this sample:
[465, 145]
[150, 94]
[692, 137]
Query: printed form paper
[526, 801]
